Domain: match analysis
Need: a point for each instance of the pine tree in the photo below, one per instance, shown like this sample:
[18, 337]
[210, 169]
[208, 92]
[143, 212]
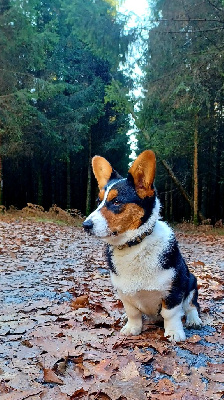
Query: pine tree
[53, 114]
[184, 86]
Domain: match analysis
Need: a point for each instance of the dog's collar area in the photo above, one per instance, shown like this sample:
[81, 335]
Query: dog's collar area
[137, 240]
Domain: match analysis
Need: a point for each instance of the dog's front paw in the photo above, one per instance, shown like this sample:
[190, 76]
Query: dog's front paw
[193, 321]
[175, 336]
[130, 329]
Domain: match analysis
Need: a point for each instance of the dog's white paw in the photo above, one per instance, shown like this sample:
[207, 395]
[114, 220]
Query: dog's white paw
[175, 336]
[130, 329]
[193, 320]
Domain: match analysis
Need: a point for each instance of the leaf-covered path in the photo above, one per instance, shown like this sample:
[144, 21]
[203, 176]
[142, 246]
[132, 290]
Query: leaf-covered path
[60, 322]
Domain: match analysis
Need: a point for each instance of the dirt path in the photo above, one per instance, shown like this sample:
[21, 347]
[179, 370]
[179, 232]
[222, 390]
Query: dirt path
[60, 322]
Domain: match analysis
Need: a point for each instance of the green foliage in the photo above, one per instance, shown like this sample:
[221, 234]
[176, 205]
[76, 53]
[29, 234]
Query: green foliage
[118, 96]
[94, 23]
[57, 59]
[184, 79]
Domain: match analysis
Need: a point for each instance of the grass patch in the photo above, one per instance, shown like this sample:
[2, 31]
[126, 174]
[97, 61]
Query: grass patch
[190, 228]
[33, 212]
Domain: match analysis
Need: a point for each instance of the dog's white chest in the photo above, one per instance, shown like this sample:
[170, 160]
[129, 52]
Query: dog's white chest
[139, 267]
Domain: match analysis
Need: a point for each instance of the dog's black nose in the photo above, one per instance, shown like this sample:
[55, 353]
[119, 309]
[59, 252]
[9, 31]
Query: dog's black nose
[87, 225]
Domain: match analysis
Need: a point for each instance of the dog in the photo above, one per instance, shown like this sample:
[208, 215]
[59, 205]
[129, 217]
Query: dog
[146, 266]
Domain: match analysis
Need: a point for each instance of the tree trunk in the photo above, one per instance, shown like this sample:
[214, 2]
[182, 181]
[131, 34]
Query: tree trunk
[40, 189]
[171, 200]
[180, 187]
[166, 200]
[168, 168]
[52, 183]
[1, 181]
[1, 178]
[68, 183]
[89, 176]
[195, 208]
[177, 182]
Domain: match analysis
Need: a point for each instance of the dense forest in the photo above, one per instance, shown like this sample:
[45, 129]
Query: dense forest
[56, 60]
[65, 96]
[182, 114]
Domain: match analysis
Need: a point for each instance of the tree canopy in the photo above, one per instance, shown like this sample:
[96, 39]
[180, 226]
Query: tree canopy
[64, 97]
[182, 110]
[57, 58]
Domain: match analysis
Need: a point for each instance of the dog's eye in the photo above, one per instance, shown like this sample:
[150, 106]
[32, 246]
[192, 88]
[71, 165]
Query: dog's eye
[116, 202]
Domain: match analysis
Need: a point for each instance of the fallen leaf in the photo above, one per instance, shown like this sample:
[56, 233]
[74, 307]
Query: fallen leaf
[54, 394]
[78, 394]
[51, 377]
[165, 386]
[105, 369]
[129, 371]
[165, 365]
[194, 339]
[82, 346]
[21, 395]
[198, 263]
[79, 302]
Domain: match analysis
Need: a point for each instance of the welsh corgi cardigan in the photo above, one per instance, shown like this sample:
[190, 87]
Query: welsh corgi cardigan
[146, 266]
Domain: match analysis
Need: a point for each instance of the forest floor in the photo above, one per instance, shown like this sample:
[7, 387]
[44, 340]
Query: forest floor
[60, 320]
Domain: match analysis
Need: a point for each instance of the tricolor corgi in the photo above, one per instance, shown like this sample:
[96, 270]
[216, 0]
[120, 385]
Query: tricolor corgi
[146, 266]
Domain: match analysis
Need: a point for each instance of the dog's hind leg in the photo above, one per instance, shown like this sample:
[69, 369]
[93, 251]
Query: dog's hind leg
[172, 323]
[134, 323]
[191, 306]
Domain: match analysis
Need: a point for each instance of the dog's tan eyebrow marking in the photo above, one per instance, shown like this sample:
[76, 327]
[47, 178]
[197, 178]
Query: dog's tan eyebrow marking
[101, 194]
[112, 194]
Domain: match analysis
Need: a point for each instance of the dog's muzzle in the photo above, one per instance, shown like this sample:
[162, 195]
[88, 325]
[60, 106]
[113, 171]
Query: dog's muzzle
[88, 225]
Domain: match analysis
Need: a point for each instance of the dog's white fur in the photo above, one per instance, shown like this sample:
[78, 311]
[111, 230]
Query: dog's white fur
[141, 281]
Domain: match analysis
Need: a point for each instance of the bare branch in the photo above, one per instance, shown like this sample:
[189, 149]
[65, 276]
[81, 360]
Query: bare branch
[186, 20]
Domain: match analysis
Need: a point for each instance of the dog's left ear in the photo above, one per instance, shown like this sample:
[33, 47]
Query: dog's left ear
[143, 172]
[102, 170]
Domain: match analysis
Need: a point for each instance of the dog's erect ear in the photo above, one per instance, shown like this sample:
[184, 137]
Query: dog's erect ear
[143, 172]
[102, 170]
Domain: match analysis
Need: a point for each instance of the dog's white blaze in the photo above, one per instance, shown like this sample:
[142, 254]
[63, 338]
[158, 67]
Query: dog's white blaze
[100, 225]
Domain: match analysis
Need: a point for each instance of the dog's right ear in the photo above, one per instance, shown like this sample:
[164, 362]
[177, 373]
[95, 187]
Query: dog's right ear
[143, 173]
[102, 170]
